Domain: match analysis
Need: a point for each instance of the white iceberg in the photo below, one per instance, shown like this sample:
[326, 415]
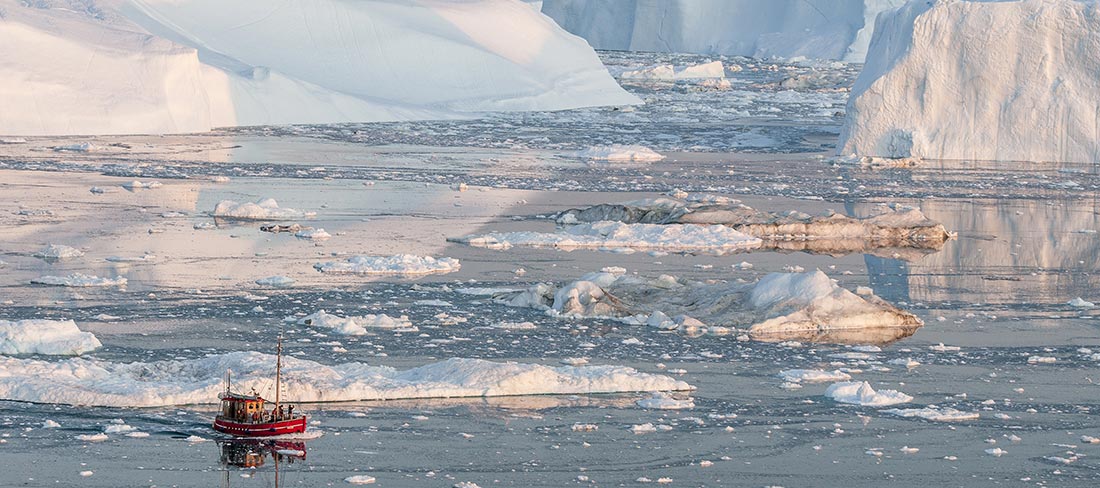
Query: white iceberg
[861, 393]
[263, 209]
[357, 325]
[53, 337]
[79, 280]
[889, 229]
[167, 66]
[781, 306]
[313, 234]
[979, 80]
[81, 381]
[617, 235]
[824, 29]
[398, 265]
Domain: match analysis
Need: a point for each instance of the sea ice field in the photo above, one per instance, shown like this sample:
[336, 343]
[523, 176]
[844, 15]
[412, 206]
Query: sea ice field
[643, 349]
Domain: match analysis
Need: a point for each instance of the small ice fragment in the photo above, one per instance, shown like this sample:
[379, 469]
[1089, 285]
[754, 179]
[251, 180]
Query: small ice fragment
[361, 479]
[996, 451]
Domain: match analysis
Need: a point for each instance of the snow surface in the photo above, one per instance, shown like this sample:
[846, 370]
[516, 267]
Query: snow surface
[79, 280]
[400, 265]
[979, 80]
[167, 66]
[263, 209]
[53, 337]
[356, 325]
[82, 381]
[612, 235]
[826, 29]
[861, 393]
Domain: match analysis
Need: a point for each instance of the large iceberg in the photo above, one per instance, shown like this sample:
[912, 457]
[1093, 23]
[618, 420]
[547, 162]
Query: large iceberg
[825, 29]
[179, 382]
[169, 66]
[970, 80]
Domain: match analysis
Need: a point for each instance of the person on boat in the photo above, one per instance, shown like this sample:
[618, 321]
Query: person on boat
[281, 412]
[290, 411]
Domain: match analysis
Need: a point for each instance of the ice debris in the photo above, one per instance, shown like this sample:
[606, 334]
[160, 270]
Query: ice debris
[935, 414]
[58, 251]
[79, 280]
[617, 235]
[620, 153]
[357, 325]
[861, 393]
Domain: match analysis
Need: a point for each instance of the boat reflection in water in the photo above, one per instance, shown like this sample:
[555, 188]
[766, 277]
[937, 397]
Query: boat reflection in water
[255, 453]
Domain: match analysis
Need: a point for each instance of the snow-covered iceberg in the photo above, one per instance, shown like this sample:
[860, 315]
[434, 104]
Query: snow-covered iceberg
[826, 29]
[169, 66]
[54, 337]
[861, 393]
[195, 381]
[889, 229]
[980, 80]
[781, 306]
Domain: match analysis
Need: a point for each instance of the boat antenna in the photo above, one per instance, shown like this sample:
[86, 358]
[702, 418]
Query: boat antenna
[278, 368]
[228, 379]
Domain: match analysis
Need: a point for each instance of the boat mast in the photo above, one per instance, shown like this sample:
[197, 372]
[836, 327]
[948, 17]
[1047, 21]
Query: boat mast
[278, 370]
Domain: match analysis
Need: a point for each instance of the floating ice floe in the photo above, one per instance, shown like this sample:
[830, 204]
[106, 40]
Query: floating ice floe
[892, 230]
[82, 381]
[99, 190]
[667, 72]
[360, 479]
[58, 251]
[100, 437]
[861, 393]
[313, 234]
[663, 401]
[131, 259]
[781, 306]
[907, 362]
[935, 414]
[401, 265]
[620, 153]
[1042, 360]
[53, 337]
[142, 185]
[813, 375]
[1080, 303]
[275, 281]
[79, 280]
[263, 209]
[515, 325]
[357, 325]
[617, 235]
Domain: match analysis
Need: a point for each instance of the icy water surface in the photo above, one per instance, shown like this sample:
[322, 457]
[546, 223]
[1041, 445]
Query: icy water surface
[1026, 361]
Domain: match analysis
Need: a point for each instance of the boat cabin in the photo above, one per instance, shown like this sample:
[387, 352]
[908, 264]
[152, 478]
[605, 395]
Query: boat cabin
[242, 408]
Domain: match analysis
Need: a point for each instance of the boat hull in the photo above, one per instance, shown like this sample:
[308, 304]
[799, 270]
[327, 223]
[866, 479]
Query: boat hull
[260, 429]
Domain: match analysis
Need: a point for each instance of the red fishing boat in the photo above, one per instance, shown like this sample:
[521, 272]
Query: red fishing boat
[248, 415]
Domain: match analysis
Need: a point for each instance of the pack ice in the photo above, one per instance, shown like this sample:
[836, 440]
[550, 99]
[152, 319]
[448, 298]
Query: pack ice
[824, 29]
[167, 66]
[82, 381]
[53, 337]
[977, 80]
[781, 306]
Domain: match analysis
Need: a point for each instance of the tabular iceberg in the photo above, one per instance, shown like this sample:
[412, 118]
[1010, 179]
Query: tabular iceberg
[168, 66]
[825, 29]
[971, 80]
